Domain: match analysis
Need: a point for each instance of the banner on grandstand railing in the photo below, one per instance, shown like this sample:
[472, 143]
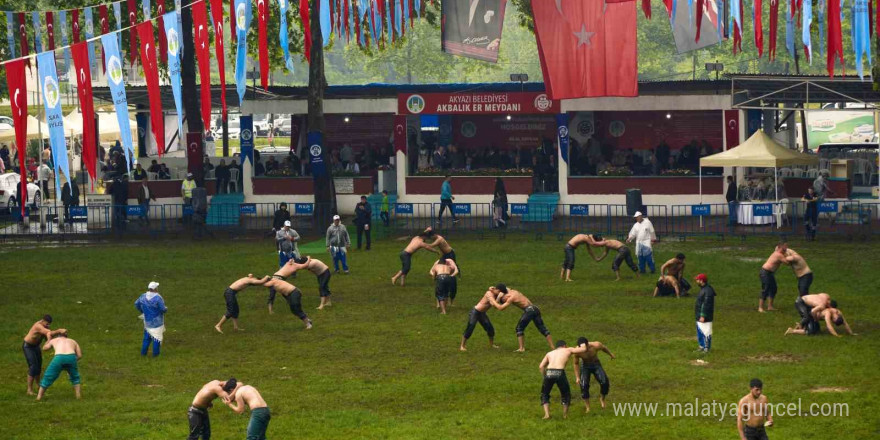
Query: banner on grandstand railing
[700, 210]
[476, 103]
[762, 209]
[247, 208]
[519, 208]
[304, 208]
[828, 207]
[473, 28]
[579, 210]
[461, 208]
[403, 208]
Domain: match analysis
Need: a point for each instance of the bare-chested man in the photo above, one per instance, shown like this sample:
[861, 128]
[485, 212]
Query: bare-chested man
[667, 285]
[246, 395]
[675, 268]
[479, 314]
[530, 312]
[587, 363]
[443, 272]
[322, 273]
[801, 271]
[553, 371]
[623, 254]
[752, 413]
[768, 276]
[231, 297]
[417, 242]
[31, 347]
[199, 422]
[446, 252]
[284, 272]
[568, 262]
[293, 296]
[67, 353]
[817, 308]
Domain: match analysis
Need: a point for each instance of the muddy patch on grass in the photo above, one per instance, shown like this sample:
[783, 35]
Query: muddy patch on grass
[768, 358]
[750, 259]
[681, 338]
[715, 250]
[829, 390]
[699, 363]
[154, 386]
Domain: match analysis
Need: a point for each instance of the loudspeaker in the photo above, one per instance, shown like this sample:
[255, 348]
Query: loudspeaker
[633, 201]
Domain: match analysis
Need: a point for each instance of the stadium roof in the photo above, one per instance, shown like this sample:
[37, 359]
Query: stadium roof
[790, 91]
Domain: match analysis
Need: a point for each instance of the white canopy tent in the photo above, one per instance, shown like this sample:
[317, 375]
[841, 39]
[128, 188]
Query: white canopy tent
[108, 125]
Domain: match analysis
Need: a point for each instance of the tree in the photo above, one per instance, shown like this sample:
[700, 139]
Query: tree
[325, 190]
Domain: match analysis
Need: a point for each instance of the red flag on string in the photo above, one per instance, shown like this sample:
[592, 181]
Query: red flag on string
[22, 33]
[163, 41]
[200, 25]
[699, 15]
[668, 4]
[132, 34]
[232, 21]
[737, 33]
[774, 24]
[50, 31]
[835, 37]
[220, 52]
[15, 80]
[759, 28]
[307, 33]
[587, 48]
[646, 8]
[344, 28]
[74, 25]
[796, 6]
[262, 21]
[357, 26]
[81, 63]
[105, 27]
[392, 9]
[333, 8]
[151, 74]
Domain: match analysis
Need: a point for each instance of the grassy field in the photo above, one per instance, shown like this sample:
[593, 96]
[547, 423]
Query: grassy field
[382, 363]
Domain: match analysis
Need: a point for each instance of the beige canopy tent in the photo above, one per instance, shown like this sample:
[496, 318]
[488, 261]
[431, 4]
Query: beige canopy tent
[760, 150]
[35, 129]
[108, 125]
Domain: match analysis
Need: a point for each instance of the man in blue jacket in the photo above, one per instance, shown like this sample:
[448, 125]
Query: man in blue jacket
[446, 199]
[153, 310]
[704, 311]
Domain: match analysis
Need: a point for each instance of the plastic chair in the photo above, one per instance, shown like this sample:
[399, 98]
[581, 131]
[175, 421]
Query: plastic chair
[813, 173]
[233, 178]
[785, 172]
[797, 172]
[210, 174]
[153, 176]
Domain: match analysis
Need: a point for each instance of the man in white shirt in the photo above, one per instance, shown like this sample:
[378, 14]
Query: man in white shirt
[45, 175]
[643, 234]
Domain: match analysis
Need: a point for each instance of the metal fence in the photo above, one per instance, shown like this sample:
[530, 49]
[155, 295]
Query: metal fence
[850, 218]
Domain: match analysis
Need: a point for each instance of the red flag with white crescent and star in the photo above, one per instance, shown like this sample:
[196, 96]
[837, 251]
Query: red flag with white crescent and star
[668, 4]
[80, 52]
[132, 34]
[200, 25]
[163, 41]
[50, 31]
[759, 28]
[646, 9]
[699, 15]
[400, 133]
[105, 27]
[22, 33]
[262, 21]
[17, 84]
[219, 51]
[835, 37]
[774, 24]
[307, 33]
[587, 48]
[151, 74]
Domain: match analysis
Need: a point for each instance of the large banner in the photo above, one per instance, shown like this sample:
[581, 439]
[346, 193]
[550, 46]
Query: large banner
[825, 127]
[485, 131]
[472, 28]
[476, 103]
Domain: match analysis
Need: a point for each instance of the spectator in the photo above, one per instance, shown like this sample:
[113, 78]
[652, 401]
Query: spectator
[207, 165]
[337, 243]
[643, 234]
[221, 173]
[732, 201]
[69, 197]
[77, 146]
[117, 148]
[704, 309]
[384, 211]
[144, 196]
[458, 157]
[446, 199]
[363, 213]
[102, 153]
[499, 201]
[437, 159]
[186, 189]
[139, 172]
[152, 308]
[259, 169]
[47, 156]
[119, 191]
[164, 172]
[286, 241]
[424, 160]
[271, 164]
[346, 155]
[4, 156]
[154, 167]
[811, 213]
[353, 167]
[45, 175]
[282, 215]
[820, 186]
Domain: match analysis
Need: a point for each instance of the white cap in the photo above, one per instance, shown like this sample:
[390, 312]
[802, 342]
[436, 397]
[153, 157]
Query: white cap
[335, 217]
[153, 285]
[638, 214]
[286, 222]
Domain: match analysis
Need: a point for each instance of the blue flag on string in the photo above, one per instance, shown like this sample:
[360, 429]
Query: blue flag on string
[377, 21]
[54, 119]
[674, 5]
[390, 26]
[821, 25]
[398, 17]
[246, 135]
[405, 7]
[38, 41]
[145, 6]
[861, 30]
[362, 9]
[282, 35]
[324, 11]
[242, 24]
[316, 154]
[177, 8]
[172, 34]
[720, 28]
[90, 33]
[562, 134]
[350, 29]
[62, 23]
[735, 16]
[789, 31]
[113, 62]
[690, 11]
[117, 14]
[807, 19]
[10, 33]
[417, 5]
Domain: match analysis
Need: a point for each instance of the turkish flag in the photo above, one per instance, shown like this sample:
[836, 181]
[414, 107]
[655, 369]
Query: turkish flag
[835, 38]
[759, 28]
[81, 64]
[105, 27]
[22, 32]
[587, 48]
[50, 31]
[731, 128]
[668, 4]
[699, 15]
[203, 51]
[151, 74]
[400, 133]
[262, 20]
[646, 8]
[15, 80]
[774, 24]
[132, 35]
[217, 13]
[307, 33]
[163, 41]
[344, 28]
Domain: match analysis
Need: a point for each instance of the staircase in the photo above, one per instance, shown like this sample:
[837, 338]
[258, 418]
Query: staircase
[542, 207]
[224, 209]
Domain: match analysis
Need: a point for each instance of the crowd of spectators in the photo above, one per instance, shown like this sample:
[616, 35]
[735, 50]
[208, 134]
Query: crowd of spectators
[594, 158]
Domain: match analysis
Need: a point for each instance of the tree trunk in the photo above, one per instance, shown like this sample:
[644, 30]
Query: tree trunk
[325, 191]
[191, 106]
